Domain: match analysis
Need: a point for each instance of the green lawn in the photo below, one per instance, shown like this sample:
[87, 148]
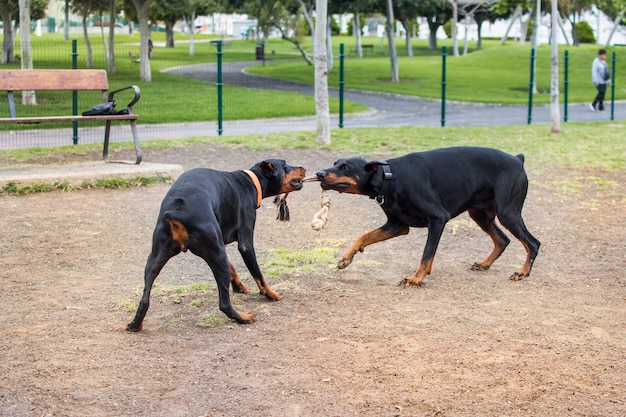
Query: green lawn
[497, 74]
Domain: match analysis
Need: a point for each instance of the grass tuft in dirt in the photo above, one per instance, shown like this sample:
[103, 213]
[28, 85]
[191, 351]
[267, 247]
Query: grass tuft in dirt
[13, 188]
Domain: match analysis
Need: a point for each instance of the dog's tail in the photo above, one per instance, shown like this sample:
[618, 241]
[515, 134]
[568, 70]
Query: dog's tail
[520, 157]
[177, 229]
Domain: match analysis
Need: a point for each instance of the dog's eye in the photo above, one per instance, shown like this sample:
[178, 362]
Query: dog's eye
[344, 166]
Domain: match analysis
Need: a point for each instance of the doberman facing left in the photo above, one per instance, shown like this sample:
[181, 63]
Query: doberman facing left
[205, 210]
[426, 189]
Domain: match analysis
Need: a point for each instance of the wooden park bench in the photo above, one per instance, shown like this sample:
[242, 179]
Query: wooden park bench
[69, 80]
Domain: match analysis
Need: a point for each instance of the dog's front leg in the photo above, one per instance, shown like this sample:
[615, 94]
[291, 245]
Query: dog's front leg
[435, 229]
[385, 232]
[249, 257]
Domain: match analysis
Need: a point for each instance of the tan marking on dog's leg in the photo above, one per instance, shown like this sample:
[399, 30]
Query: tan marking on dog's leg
[267, 291]
[235, 281]
[246, 318]
[525, 271]
[416, 279]
[179, 233]
[375, 236]
[484, 264]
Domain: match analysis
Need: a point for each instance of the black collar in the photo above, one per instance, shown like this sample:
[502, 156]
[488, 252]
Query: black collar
[387, 177]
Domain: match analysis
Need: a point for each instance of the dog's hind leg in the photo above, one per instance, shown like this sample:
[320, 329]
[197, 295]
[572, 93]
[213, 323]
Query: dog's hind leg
[208, 245]
[510, 215]
[235, 281]
[161, 253]
[517, 227]
[246, 249]
[485, 219]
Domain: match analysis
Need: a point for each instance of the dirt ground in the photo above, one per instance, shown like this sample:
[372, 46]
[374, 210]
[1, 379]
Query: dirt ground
[341, 343]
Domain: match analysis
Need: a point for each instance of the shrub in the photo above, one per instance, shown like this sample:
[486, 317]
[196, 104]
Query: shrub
[585, 33]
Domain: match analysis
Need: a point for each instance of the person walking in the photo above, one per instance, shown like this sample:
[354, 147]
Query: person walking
[600, 76]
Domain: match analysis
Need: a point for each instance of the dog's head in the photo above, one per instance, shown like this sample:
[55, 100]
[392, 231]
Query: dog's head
[351, 175]
[276, 177]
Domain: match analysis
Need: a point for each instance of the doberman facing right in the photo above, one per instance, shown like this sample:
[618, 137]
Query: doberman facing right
[427, 189]
[207, 209]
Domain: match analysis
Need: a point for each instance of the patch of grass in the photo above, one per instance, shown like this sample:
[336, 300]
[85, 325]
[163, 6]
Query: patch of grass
[212, 320]
[281, 262]
[13, 188]
[127, 305]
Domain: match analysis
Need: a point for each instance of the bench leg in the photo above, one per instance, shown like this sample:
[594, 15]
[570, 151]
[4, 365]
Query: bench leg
[133, 127]
[105, 149]
[107, 134]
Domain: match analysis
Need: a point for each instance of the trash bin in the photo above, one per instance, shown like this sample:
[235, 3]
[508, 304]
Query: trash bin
[260, 52]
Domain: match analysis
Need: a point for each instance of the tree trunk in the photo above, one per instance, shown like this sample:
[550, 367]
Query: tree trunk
[169, 34]
[66, 24]
[455, 17]
[406, 24]
[28, 97]
[329, 46]
[89, 63]
[189, 19]
[309, 19]
[555, 112]
[142, 7]
[432, 37]
[321, 75]
[111, 55]
[393, 54]
[616, 23]
[8, 50]
[357, 32]
[516, 13]
[479, 44]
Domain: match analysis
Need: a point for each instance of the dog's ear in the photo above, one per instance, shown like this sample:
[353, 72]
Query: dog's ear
[372, 166]
[268, 168]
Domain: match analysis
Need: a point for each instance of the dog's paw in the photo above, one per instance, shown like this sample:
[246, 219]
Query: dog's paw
[412, 281]
[346, 259]
[517, 276]
[273, 295]
[246, 318]
[240, 288]
[132, 327]
[479, 267]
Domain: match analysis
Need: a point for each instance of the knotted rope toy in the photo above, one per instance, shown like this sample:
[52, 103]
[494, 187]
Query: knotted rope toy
[321, 217]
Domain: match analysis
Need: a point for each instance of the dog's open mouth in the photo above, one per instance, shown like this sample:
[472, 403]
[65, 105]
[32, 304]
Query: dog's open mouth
[297, 183]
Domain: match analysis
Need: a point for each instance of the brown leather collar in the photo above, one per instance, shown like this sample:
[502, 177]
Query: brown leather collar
[257, 184]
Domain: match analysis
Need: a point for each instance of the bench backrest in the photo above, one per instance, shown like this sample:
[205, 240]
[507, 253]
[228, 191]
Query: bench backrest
[35, 80]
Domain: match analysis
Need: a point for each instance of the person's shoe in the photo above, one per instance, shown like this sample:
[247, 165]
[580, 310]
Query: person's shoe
[591, 107]
[601, 110]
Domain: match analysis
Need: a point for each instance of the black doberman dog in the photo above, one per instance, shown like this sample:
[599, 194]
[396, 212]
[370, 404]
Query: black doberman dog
[426, 189]
[203, 212]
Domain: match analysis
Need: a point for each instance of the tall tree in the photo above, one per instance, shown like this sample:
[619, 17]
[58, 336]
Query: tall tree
[555, 112]
[142, 7]
[111, 49]
[7, 9]
[85, 8]
[321, 75]
[393, 54]
[28, 97]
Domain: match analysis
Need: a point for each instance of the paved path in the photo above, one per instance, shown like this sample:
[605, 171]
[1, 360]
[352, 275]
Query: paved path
[397, 110]
[386, 110]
